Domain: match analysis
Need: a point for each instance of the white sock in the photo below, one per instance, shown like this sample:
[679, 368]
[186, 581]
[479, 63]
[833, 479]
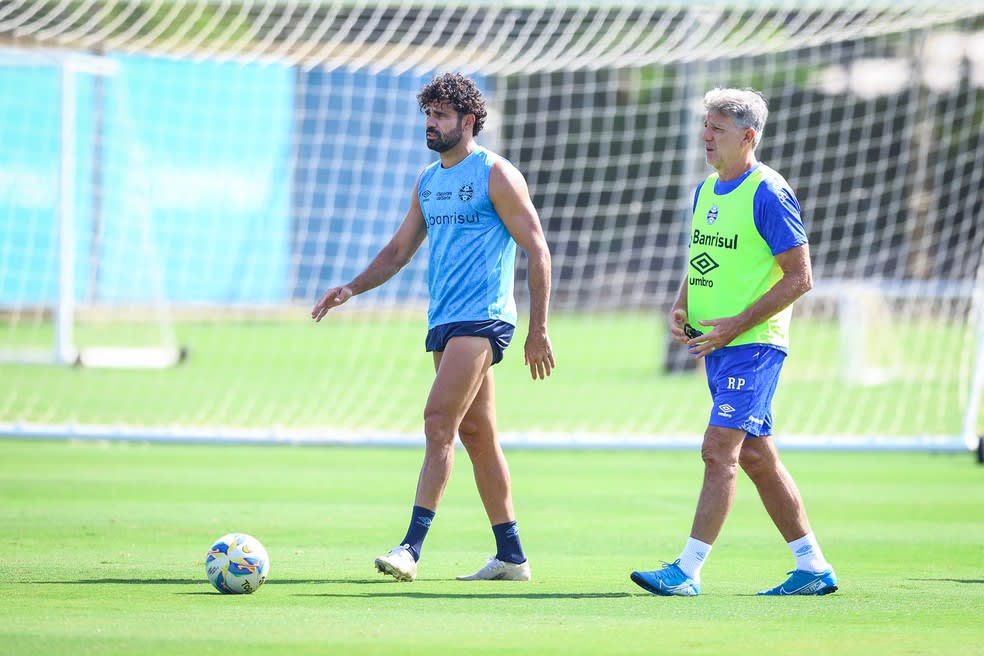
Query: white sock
[808, 555]
[692, 558]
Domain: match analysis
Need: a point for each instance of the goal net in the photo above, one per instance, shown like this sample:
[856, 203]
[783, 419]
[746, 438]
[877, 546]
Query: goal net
[189, 177]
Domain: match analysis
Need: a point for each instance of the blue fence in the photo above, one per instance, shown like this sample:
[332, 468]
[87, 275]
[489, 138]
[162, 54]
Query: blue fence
[360, 149]
[30, 155]
[207, 181]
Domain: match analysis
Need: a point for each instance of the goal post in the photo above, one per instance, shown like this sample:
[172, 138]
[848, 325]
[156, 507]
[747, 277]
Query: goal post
[65, 70]
[252, 154]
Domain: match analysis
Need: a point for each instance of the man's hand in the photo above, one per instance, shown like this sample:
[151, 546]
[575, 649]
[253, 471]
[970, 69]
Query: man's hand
[332, 298]
[538, 355]
[720, 333]
[678, 319]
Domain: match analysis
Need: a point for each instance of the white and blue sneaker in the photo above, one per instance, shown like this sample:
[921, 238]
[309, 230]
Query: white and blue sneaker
[670, 581]
[801, 582]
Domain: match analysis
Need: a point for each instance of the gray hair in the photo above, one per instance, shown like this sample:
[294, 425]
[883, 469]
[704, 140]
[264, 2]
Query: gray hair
[746, 107]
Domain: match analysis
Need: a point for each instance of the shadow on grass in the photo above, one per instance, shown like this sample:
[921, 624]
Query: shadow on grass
[979, 581]
[202, 581]
[477, 595]
[403, 594]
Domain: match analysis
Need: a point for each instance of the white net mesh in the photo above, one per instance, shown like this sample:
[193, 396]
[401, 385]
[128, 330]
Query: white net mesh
[231, 160]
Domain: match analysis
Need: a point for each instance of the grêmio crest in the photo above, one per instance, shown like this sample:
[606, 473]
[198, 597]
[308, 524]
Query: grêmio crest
[712, 215]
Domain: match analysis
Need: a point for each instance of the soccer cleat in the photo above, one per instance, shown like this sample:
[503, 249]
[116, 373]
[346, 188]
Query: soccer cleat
[801, 582]
[398, 563]
[499, 570]
[670, 581]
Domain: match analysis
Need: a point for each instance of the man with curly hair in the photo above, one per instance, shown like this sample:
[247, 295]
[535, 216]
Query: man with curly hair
[475, 207]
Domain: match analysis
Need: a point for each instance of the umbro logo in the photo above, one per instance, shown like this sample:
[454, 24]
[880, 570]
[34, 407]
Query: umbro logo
[725, 410]
[704, 263]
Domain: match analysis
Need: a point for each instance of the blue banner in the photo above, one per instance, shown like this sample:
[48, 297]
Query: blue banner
[360, 149]
[196, 180]
[30, 160]
[207, 182]
[182, 181]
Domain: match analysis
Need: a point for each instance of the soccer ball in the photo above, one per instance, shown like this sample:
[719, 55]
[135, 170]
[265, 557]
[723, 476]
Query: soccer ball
[237, 564]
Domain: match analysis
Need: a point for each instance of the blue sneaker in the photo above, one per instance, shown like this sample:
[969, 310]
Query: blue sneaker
[670, 581]
[801, 582]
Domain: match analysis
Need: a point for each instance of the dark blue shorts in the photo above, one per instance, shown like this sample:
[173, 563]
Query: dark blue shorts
[499, 334]
[743, 380]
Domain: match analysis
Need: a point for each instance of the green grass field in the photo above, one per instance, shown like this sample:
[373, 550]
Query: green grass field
[354, 372]
[103, 547]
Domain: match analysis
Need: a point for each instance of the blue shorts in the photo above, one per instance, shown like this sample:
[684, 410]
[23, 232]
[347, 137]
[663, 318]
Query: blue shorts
[743, 380]
[499, 334]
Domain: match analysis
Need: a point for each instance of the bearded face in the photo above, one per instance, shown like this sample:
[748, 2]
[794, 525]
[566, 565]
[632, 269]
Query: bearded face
[439, 141]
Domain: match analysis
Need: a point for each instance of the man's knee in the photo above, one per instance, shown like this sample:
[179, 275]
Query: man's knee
[720, 448]
[755, 459]
[476, 436]
[438, 427]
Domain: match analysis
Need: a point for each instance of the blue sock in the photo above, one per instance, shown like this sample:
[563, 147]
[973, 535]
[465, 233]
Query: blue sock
[420, 522]
[508, 547]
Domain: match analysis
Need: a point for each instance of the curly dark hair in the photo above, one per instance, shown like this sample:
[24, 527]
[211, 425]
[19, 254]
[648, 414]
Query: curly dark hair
[460, 92]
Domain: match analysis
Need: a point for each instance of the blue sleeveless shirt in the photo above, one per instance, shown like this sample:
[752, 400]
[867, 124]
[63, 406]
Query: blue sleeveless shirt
[472, 255]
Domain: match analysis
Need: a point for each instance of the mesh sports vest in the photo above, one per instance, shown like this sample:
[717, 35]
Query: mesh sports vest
[472, 254]
[731, 265]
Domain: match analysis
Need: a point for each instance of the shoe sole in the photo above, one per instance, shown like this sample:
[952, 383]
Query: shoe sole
[384, 567]
[501, 577]
[830, 589]
[641, 582]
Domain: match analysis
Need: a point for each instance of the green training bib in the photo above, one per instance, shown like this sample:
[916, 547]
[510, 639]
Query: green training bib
[731, 265]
